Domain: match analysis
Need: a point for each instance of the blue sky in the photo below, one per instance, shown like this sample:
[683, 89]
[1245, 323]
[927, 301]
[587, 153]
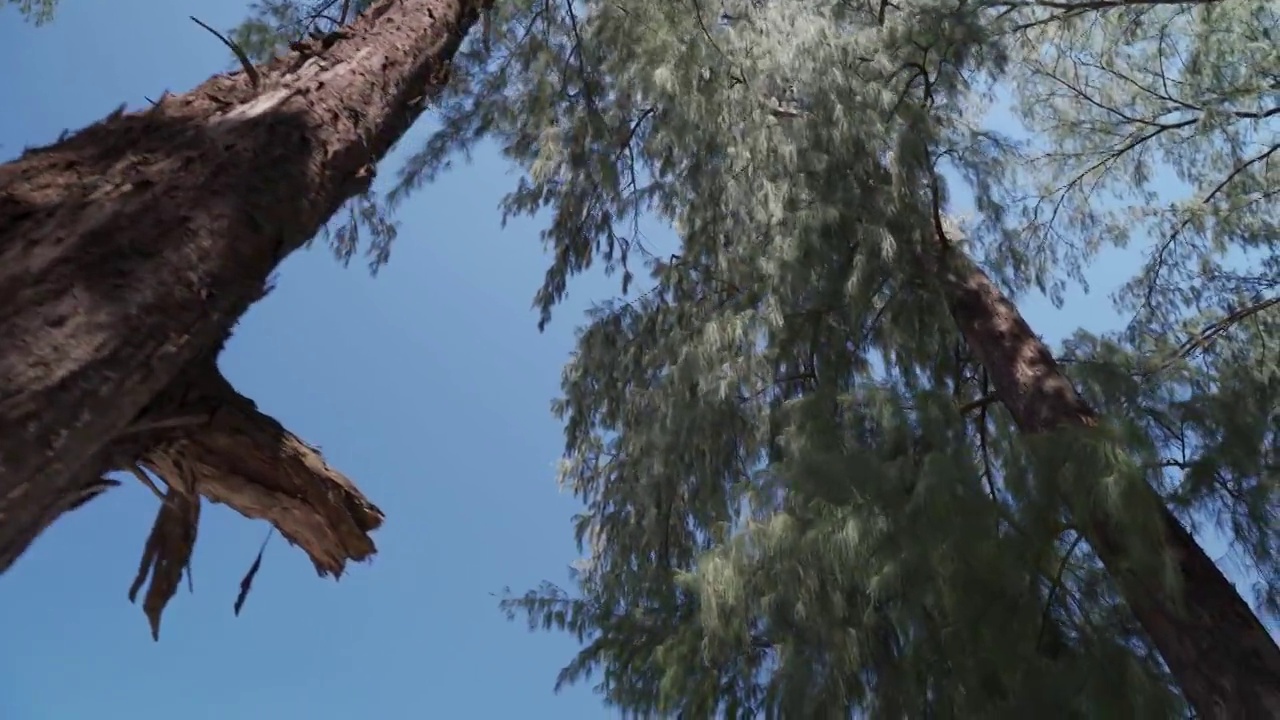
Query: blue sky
[429, 386]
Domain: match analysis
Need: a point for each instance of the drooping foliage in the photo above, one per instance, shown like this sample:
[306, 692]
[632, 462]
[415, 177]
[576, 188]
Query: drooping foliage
[37, 12]
[799, 496]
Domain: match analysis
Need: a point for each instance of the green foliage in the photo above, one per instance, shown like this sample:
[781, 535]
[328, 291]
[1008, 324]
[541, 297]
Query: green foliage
[37, 12]
[800, 499]
[1156, 125]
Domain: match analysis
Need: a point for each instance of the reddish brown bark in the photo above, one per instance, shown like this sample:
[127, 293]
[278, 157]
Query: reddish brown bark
[1220, 654]
[128, 251]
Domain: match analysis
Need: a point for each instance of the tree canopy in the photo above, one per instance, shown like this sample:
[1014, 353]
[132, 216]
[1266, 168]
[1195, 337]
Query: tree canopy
[801, 497]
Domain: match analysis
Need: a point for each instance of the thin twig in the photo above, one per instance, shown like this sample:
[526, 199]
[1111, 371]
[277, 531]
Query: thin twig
[1053, 590]
[979, 404]
[1213, 331]
[166, 424]
[249, 69]
[142, 478]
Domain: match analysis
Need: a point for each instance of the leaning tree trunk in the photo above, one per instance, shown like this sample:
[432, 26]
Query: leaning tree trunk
[129, 250]
[1220, 654]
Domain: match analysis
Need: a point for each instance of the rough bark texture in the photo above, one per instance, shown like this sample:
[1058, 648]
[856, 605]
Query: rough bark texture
[1220, 654]
[129, 250]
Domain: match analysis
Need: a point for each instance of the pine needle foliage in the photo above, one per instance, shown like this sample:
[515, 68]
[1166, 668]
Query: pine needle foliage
[800, 498]
[36, 12]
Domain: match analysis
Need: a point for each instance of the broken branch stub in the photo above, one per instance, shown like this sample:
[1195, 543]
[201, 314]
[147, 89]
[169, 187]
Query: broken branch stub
[245, 459]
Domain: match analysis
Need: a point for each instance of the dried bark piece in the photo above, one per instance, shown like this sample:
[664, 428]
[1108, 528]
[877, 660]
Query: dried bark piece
[246, 460]
[167, 554]
[205, 440]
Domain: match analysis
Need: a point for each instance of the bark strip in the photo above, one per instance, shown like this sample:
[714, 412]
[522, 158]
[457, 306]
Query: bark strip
[129, 250]
[167, 554]
[1219, 652]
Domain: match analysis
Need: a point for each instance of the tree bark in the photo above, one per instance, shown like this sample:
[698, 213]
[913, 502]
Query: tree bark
[129, 250]
[1220, 654]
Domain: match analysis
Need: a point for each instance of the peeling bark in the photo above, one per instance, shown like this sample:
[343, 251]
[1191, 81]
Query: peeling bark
[1220, 654]
[246, 460]
[167, 554]
[208, 441]
[129, 250]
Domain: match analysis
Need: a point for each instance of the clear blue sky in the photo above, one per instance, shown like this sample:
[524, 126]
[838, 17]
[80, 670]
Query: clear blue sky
[428, 385]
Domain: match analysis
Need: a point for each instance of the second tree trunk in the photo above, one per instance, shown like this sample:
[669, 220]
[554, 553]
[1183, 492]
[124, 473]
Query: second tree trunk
[1219, 653]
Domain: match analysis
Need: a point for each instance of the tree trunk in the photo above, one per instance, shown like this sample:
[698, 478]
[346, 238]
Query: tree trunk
[1220, 654]
[129, 250]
